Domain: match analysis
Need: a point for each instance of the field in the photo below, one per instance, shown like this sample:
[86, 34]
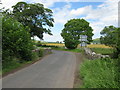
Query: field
[98, 46]
[55, 44]
[101, 49]
[89, 46]
[104, 51]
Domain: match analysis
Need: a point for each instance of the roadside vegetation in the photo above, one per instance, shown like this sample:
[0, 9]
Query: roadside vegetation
[19, 26]
[104, 72]
[25, 21]
[99, 73]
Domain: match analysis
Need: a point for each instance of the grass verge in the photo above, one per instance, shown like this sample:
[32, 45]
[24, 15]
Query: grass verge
[100, 73]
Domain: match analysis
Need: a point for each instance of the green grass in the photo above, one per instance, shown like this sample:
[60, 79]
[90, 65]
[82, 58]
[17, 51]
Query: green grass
[11, 65]
[71, 50]
[15, 63]
[104, 51]
[99, 73]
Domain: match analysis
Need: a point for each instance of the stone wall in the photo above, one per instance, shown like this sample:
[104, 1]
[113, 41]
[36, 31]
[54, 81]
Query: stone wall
[93, 55]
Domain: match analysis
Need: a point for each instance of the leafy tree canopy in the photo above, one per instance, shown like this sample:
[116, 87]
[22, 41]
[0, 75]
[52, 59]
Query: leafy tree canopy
[109, 36]
[35, 16]
[72, 31]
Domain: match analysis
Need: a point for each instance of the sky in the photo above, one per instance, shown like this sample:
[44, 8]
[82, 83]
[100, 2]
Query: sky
[99, 13]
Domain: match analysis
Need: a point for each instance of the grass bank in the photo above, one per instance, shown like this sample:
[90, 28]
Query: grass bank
[100, 73]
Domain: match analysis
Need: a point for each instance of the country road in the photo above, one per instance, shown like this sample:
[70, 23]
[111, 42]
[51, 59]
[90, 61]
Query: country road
[53, 71]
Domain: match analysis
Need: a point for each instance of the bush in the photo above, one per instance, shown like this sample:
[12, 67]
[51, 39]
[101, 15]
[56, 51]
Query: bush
[71, 45]
[16, 41]
[101, 73]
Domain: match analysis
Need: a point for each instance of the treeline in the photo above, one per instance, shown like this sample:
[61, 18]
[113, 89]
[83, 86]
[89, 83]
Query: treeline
[18, 26]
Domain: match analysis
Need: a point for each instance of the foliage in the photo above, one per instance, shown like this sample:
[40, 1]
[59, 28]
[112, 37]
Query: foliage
[104, 51]
[99, 73]
[118, 43]
[15, 63]
[16, 40]
[35, 16]
[72, 31]
[110, 37]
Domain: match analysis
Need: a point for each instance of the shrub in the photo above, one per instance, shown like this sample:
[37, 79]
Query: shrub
[16, 40]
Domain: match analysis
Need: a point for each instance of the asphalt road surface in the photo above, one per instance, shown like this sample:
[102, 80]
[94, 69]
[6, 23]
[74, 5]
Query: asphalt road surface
[53, 71]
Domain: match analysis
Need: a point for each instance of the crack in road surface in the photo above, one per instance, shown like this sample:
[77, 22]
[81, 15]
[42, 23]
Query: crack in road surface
[53, 71]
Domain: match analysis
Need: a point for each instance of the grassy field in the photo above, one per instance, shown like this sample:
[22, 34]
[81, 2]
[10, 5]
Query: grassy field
[99, 73]
[89, 46]
[55, 44]
[97, 46]
[104, 51]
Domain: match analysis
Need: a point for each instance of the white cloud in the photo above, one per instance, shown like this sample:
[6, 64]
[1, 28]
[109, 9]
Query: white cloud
[81, 11]
[49, 3]
[9, 3]
[61, 15]
[54, 38]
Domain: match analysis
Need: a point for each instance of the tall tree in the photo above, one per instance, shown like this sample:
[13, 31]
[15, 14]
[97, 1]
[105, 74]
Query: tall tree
[72, 31]
[109, 36]
[35, 16]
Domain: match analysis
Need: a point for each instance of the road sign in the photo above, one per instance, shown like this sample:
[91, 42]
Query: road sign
[83, 39]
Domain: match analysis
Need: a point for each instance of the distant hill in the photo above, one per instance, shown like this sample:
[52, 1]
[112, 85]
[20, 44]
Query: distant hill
[96, 41]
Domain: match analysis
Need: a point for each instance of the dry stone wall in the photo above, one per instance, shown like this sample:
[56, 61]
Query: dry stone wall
[93, 55]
